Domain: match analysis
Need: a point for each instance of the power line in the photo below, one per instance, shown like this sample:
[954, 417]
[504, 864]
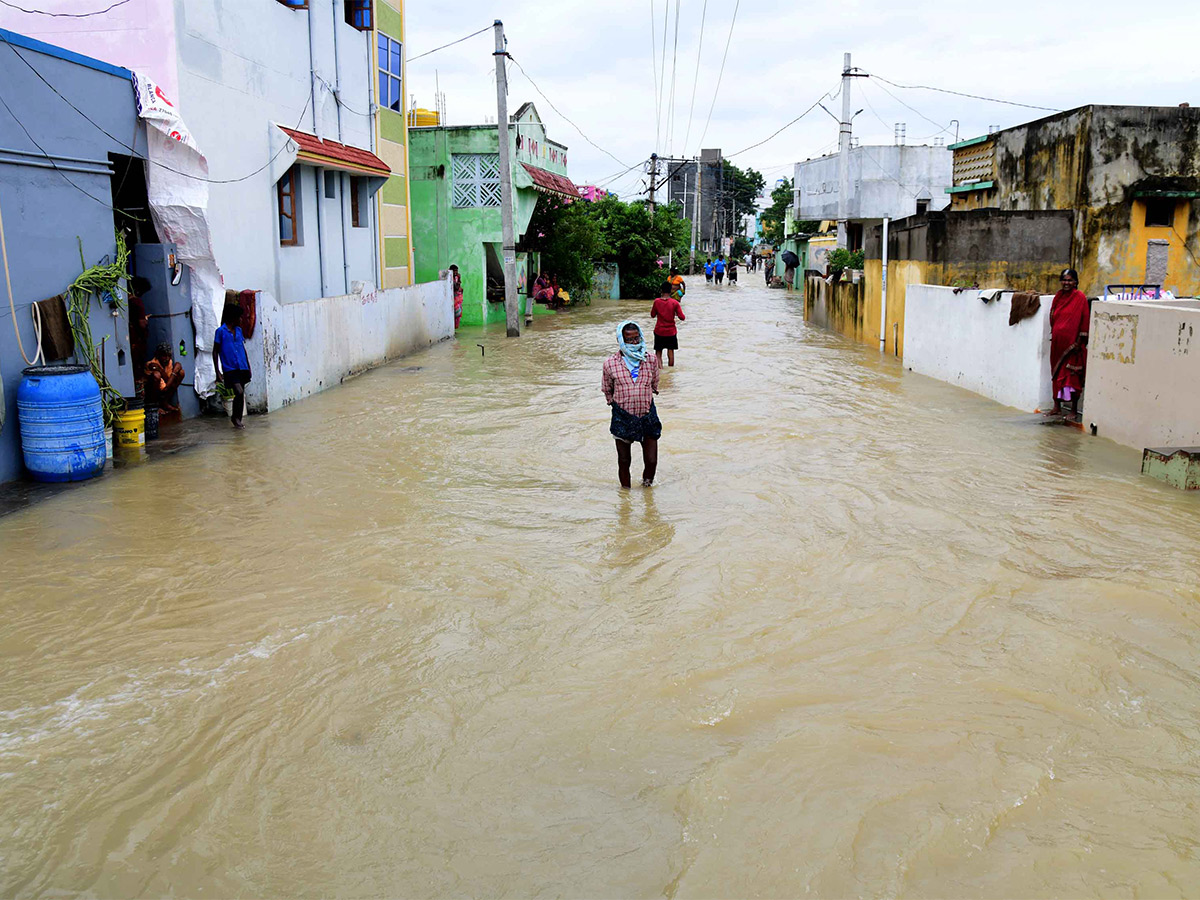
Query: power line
[816, 103]
[674, 67]
[654, 65]
[926, 87]
[695, 81]
[561, 113]
[913, 108]
[720, 75]
[56, 15]
[662, 82]
[54, 165]
[133, 151]
[444, 46]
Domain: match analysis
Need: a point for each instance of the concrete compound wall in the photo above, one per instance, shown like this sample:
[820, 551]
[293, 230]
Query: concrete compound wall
[838, 307]
[302, 348]
[1143, 368]
[959, 339]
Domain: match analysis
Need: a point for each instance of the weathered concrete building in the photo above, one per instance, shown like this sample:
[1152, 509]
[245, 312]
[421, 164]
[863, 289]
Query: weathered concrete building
[455, 180]
[885, 182]
[708, 172]
[1130, 174]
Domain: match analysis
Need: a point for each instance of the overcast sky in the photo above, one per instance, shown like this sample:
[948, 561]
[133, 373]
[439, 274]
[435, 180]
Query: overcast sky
[596, 62]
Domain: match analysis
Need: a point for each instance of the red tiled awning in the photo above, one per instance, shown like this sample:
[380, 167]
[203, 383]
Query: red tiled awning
[560, 185]
[332, 155]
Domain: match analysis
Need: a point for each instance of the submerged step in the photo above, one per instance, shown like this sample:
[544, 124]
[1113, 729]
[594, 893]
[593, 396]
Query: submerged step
[1177, 466]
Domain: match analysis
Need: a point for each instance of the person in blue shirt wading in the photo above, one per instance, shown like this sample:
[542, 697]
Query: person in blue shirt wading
[719, 269]
[232, 364]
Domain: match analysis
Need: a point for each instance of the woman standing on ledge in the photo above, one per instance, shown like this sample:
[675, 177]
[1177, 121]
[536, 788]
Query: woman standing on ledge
[1068, 342]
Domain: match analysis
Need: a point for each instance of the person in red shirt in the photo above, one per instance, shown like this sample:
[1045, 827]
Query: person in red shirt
[666, 310]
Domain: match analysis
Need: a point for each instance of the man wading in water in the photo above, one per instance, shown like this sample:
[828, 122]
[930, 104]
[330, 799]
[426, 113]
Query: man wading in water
[630, 381]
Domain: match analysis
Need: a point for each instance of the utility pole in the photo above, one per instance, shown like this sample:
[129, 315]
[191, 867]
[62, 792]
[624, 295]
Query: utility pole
[696, 216]
[511, 313]
[844, 158]
[653, 178]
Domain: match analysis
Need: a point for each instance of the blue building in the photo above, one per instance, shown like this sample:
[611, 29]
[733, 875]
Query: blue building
[72, 173]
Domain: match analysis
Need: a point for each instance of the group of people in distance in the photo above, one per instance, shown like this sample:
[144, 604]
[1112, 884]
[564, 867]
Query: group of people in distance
[629, 380]
[716, 270]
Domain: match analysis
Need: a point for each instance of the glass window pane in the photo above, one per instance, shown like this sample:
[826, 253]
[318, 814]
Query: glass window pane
[383, 46]
[395, 58]
[395, 104]
[383, 89]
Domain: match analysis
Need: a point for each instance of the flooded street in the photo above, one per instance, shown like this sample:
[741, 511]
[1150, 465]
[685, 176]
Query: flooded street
[869, 634]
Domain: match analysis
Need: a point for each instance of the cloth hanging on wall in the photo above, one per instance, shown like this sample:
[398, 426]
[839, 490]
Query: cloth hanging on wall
[1024, 305]
[249, 302]
[177, 188]
[57, 340]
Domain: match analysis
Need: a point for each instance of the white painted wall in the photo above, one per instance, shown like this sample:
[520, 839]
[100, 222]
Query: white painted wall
[959, 339]
[1142, 372]
[299, 349]
[243, 66]
[884, 181]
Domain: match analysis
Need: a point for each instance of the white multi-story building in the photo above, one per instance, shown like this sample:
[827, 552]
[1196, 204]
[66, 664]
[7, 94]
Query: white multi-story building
[885, 182]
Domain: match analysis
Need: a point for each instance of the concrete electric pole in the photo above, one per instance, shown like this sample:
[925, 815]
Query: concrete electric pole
[653, 179]
[844, 158]
[511, 312]
[696, 216]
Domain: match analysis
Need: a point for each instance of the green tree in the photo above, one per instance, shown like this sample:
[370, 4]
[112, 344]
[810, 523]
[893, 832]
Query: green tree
[639, 242]
[568, 237]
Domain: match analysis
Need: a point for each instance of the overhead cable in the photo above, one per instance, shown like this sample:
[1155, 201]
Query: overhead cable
[906, 106]
[61, 15]
[674, 67]
[654, 65]
[444, 46]
[695, 81]
[774, 134]
[720, 75]
[135, 152]
[561, 113]
[926, 87]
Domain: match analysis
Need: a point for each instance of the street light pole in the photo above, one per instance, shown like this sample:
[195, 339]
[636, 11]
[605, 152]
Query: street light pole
[511, 312]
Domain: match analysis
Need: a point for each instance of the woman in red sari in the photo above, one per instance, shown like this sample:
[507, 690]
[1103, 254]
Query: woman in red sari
[1068, 341]
[458, 296]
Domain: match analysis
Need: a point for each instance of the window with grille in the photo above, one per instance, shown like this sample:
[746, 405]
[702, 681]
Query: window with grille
[390, 73]
[358, 14]
[289, 216]
[476, 178]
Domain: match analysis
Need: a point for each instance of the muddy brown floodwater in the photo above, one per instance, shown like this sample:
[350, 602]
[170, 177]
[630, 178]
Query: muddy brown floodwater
[869, 635]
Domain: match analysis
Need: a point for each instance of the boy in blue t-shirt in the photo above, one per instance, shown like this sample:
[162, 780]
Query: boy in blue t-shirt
[708, 270]
[719, 269]
[230, 360]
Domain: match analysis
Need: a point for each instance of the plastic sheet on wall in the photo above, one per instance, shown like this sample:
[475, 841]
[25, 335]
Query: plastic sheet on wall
[177, 185]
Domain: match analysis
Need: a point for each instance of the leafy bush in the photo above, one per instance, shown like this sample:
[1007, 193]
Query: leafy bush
[841, 259]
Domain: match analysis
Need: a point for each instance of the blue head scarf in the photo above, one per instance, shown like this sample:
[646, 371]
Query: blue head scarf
[631, 354]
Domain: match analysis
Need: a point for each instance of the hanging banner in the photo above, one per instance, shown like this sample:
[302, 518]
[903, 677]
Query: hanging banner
[177, 185]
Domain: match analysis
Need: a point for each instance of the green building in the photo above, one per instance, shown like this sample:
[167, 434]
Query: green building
[454, 180]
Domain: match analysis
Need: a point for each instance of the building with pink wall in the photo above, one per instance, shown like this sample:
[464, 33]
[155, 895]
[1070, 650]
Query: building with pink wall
[138, 35]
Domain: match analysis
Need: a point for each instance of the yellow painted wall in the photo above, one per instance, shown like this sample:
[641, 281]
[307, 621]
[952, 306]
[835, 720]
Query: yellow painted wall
[395, 220]
[1124, 261]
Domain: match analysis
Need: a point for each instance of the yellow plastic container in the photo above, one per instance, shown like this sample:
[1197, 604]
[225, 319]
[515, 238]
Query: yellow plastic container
[129, 428]
[423, 118]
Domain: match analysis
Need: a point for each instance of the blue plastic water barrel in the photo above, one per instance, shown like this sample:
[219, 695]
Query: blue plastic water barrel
[62, 423]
